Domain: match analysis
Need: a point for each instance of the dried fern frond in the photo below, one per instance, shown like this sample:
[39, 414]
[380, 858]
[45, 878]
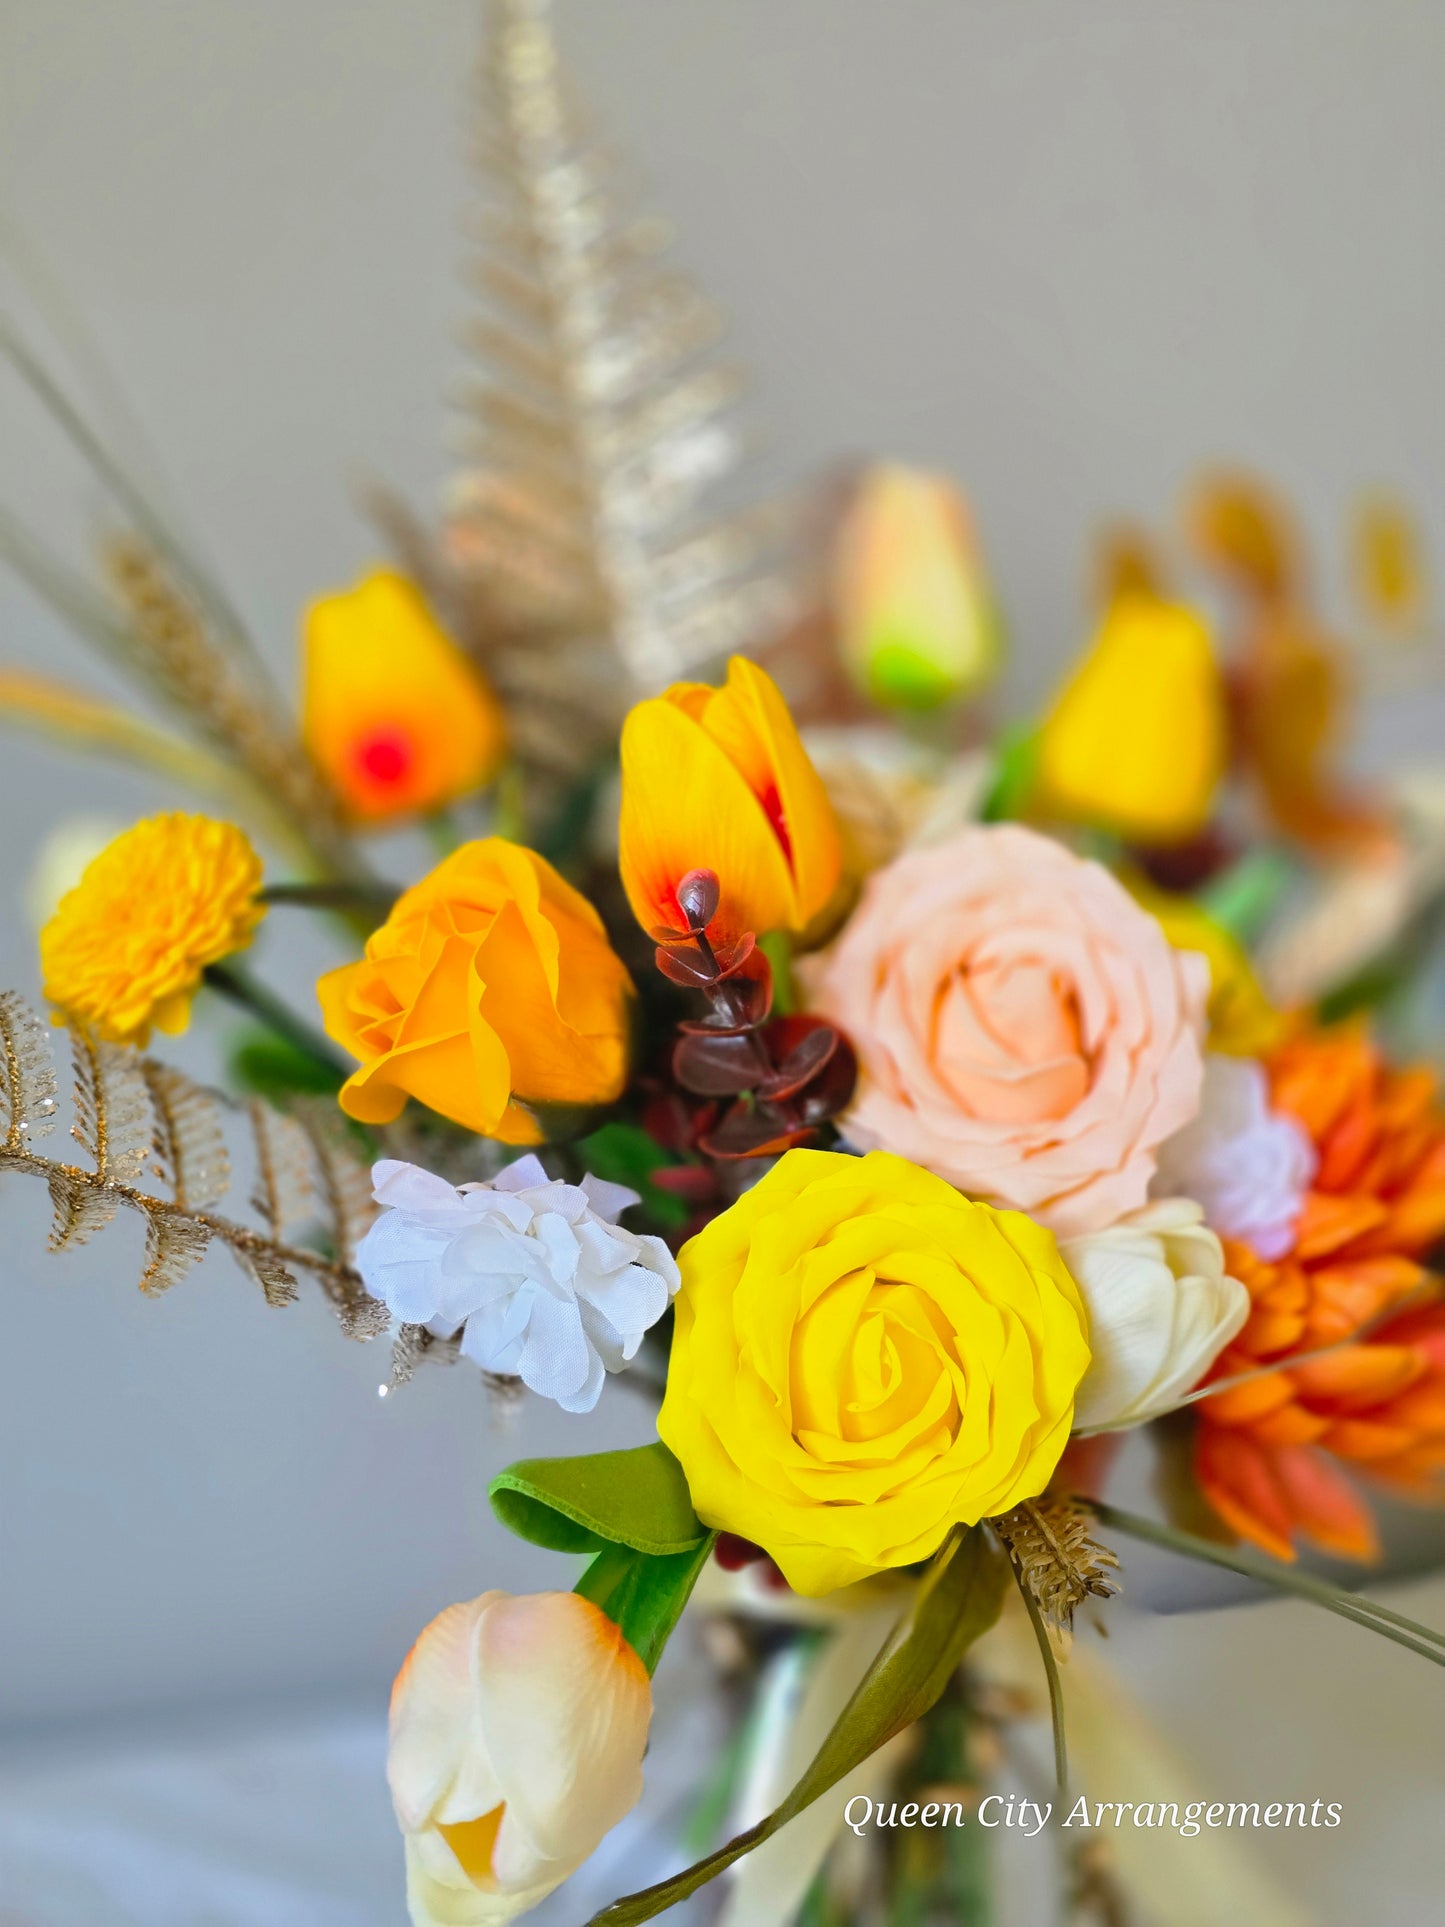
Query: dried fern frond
[192, 1155]
[128, 1107]
[113, 1122]
[577, 541]
[175, 650]
[1054, 1552]
[27, 1072]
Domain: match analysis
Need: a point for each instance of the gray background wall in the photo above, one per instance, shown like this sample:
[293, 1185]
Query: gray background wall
[1066, 251]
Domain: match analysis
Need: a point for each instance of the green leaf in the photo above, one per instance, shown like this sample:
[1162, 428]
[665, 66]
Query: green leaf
[623, 1153]
[1015, 773]
[1246, 896]
[644, 1594]
[269, 1067]
[959, 1598]
[637, 1499]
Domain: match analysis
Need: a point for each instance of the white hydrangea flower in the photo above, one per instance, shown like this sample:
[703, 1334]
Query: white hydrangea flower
[535, 1273]
[1161, 1310]
[1248, 1165]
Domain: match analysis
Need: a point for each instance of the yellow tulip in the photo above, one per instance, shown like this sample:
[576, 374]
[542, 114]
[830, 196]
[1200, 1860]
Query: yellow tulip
[1136, 739]
[917, 625]
[393, 713]
[717, 779]
[490, 990]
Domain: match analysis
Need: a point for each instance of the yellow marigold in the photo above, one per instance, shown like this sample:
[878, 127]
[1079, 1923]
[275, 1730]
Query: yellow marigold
[490, 990]
[1242, 1020]
[126, 948]
[393, 712]
[863, 1357]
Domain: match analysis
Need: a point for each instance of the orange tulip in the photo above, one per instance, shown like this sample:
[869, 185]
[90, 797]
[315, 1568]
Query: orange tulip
[1268, 1447]
[717, 779]
[393, 713]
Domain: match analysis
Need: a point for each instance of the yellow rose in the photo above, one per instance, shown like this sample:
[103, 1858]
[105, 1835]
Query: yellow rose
[490, 989]
[864, 1357]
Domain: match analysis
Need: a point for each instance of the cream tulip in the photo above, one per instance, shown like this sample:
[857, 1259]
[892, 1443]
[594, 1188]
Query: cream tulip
[1161, 1310]
[518, 1726]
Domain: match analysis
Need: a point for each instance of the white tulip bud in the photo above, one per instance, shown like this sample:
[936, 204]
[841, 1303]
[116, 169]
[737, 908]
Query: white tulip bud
[518, 1726]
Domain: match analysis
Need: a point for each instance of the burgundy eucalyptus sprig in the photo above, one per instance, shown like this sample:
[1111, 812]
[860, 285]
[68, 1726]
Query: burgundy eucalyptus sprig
[786, 1076]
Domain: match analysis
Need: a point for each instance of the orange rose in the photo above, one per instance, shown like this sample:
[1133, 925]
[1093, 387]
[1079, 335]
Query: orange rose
[490, 989]
[717, 779]
[394, 714]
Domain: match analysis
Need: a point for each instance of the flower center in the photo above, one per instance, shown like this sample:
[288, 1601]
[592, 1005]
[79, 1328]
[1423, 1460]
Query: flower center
[385, 755]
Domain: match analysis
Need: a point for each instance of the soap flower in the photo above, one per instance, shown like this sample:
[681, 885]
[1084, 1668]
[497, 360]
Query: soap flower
[1161, 1309]
[717, 779]
[1270, 1448]
[917, 625]
[864, 1358]
[1136, 739]
[490, 993]
[393, 713]
[1242, 1020]
[127, 948]
[1249, 1165]
[1022, 1027]
[518, 1725]
[535, 1274]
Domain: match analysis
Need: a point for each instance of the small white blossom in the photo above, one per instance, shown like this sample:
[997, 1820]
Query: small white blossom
[1248, 1165]
[534, 1273]
[1161, 1310]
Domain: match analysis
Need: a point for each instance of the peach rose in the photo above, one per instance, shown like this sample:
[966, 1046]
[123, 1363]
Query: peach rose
[1023, 1028]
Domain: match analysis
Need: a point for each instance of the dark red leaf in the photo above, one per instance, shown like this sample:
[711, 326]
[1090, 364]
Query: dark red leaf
[664, 933]
[733, 1553]
[697, 897]
[693, 1183]
[683, 967]
[718, 1065]
[805, 1061]
[831, 1092]
[749, 1133]
[734, 956]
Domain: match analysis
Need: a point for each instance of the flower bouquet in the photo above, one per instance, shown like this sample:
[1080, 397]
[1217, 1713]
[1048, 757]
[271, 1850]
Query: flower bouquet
[907, 1108]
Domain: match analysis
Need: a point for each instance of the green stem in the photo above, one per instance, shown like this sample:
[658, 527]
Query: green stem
[1051, 1674]
[1364, 1612]
[369, 899]
[245, 992]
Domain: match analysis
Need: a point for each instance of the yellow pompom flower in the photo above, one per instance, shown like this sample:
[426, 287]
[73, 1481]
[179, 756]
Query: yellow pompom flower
[393, 713]
[863, 1358]
[126, 947]
[917, 625]
[1242, 1020]
[1136, 739]
[490, 991]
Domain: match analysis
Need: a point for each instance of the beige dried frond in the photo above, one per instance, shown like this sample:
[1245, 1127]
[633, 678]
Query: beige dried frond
[344, 1181]
[28, 1084]
[577, 541]
[113, 1123]
[126, 1106]
[1051, 1543]
[173, 1245]
[192, 1156]
[285, 1196]
[174, 648]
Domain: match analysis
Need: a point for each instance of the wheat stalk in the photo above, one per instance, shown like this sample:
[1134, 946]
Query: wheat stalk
[1056, 1557]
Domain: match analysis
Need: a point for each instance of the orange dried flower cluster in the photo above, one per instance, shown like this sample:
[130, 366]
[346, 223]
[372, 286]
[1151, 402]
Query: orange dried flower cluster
[1266, 1448]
